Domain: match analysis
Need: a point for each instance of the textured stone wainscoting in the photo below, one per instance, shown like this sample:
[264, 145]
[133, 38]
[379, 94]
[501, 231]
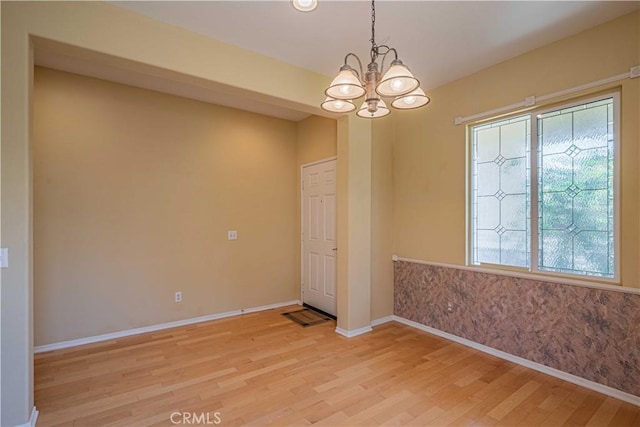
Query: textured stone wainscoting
[589, 332]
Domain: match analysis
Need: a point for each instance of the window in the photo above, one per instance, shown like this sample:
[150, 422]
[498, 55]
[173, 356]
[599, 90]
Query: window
[543, 192]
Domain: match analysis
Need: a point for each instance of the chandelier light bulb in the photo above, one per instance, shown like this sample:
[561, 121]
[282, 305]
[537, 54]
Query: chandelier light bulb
[345, 85]
[415, 99]
[337, 105]
[369, 111]
[397, 81]
[397, 85]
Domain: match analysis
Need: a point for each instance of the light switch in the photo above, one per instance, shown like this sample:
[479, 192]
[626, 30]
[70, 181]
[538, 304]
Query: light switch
[232, 235]
[4, 257]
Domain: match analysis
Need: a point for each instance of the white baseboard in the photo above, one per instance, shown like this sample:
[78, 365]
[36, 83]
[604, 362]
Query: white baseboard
[32, 419]
[152, 328]
[609, 391]
[366, 329]
[381, 321]
[269, 307]
[353, 333]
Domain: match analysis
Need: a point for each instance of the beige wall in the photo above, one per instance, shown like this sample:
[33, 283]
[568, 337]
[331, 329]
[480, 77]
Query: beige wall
[78, 231]
[316, 139]
[429, 151]
[355, 146]
[134, 192]
[382, 218]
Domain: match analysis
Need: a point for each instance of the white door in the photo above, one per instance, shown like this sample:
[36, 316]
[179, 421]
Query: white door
[319, 250]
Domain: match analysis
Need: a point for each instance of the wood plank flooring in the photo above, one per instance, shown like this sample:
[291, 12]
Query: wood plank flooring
[263, 369]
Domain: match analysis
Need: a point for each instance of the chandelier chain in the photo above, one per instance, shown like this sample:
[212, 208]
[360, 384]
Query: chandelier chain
[373, 29]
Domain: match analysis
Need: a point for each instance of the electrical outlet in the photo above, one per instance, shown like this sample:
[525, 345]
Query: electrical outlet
[232, 235]
[450, 307]
[178, 297]
[4, 258]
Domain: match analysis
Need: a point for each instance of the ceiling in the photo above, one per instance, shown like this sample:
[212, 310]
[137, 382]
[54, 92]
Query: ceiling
[440, 41]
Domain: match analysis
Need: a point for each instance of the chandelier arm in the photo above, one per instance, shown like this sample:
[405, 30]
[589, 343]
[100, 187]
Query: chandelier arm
[389, 49]
[359, 64]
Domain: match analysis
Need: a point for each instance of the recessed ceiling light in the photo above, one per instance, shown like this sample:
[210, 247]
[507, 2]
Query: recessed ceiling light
[305, 5]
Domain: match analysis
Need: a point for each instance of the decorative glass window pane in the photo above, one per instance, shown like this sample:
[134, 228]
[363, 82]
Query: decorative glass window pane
[500, 192]
[575, 191]
[575, 210]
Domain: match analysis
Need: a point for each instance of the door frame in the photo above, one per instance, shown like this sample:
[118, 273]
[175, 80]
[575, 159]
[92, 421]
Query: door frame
[306, 165]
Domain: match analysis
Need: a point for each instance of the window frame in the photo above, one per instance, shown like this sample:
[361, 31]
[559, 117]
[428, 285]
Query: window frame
[534, 237]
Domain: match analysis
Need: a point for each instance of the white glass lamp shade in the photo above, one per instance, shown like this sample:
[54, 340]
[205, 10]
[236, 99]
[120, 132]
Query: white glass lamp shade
[381, 111]
[337, 105]
[345, 86]
[415, 99]
[305, 5]
[397, 81]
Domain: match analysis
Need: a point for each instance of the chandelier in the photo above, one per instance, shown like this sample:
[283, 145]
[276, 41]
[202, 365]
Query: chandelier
[397, 84]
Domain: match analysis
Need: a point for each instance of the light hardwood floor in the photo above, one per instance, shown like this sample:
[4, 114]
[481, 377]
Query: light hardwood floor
[261, 368]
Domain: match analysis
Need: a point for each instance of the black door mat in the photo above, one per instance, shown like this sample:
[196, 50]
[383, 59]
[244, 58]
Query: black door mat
[306, 317]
